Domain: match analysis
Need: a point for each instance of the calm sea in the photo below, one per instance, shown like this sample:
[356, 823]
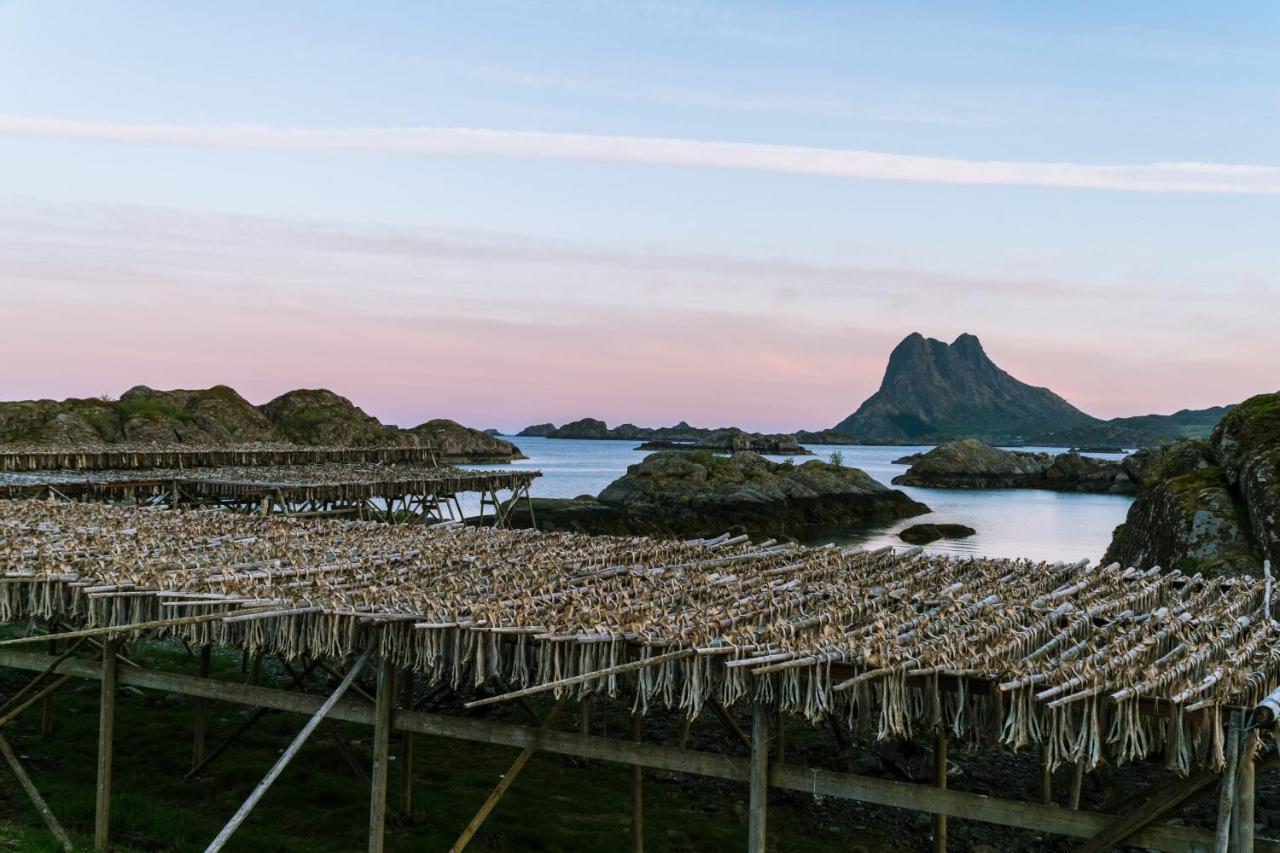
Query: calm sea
[1010, 522]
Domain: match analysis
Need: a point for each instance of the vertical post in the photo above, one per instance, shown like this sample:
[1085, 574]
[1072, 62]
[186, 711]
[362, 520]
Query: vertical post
[46, 705]
[386, 700]
[1226, 793]
[197, 743]
[940, 780]
[637, 792]
[406, 747]
[1077, 785]
[781, 737]
[1046, 777]
[759, 776]
[106, 733]
[1242, 814]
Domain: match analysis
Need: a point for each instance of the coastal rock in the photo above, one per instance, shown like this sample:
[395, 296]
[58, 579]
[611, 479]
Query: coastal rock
[537, 431]
[973, 464]
[923, 534]
[457, 444]
[734, 440]
[702, 494]
[1246, 445]
[319, 416]
[220, 416]
[1185, 517]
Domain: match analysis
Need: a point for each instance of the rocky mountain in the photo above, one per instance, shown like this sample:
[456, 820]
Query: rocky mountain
[702, 494]
[1214, 505]
[933, 391]
[221, 416]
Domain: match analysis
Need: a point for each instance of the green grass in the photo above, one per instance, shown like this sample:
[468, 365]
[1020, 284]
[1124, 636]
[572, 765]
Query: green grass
[153, 408]
[319, 804]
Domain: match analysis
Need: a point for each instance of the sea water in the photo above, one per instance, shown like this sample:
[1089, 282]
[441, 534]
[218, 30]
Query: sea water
[1041, 525]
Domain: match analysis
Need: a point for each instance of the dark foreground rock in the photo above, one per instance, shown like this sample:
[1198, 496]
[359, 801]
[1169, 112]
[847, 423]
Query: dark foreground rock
[1211, 506]
[972, 464]
[700, 494]
[923, 534]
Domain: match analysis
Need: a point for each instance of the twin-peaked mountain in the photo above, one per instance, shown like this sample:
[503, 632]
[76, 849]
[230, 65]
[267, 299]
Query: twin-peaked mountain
[934, 391]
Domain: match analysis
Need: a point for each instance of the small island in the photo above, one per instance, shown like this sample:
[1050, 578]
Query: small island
[675, 493]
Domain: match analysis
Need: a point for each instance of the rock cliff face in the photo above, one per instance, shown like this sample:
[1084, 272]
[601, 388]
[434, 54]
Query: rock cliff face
[701, 494]
[220, 416]
[1211, 506]
[932, 390]
[972, 464]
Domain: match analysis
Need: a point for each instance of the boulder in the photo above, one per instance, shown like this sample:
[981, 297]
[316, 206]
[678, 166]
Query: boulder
[923, 534]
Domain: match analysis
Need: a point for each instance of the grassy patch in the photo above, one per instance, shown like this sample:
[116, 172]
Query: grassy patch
[153, 408]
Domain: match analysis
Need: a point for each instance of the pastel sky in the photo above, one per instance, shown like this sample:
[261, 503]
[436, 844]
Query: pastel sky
[515, 212]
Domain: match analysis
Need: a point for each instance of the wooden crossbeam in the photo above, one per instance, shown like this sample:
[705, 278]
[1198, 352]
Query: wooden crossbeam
[811, 781]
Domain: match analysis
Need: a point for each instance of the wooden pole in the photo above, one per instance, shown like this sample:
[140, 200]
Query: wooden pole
[1046, 778]
[1226, 795]
[1077, 784]
[288, 754]
[38, 801]
[780, 744]
[383, 708]
[201, 720]
[510, 776]
[1242, 813]
[759, 778]
[106, 734]
[406, 747]
[940, 781]
[46, 705]
[637, 792]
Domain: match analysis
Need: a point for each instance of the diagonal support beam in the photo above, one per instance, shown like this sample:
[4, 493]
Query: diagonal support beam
[510, 776]
[292, 750]
[38, 801]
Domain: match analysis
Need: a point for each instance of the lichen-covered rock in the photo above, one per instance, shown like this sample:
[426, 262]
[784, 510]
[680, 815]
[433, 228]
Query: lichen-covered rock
[320, 417]
[216, 415]
[1185, 517]
[702, 494]
[457, 444]
[1246, 444]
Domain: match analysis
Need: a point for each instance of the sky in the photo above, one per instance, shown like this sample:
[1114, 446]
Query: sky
[515, 212]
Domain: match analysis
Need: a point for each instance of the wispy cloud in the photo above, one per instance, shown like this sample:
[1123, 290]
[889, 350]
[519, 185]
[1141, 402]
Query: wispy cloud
[1172, 177]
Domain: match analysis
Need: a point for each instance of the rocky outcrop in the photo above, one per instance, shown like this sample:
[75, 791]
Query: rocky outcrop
[933, 391]
[1211, 506]
[702, 494]
[537, 431]
[1185, 517]
[923, 534]
[1138, 431]
[734, 440]
[220, 416]
[592, 428]
[972, 464]
[457, 444]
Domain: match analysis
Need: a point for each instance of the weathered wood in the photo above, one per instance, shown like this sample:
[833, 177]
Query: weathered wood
[1242, 813]
[1162, 799]
[46, 704]
[1004, 812]
[504, 783]
[44, 692]
[38, 801]
[1077, 784]
[637, 791]
[940, 780]
[1046, 778]
[201, 712]
[288, 754]
[730, 723]
[586, 676]
[757, 809]
[386, 700]
[1226, 794]
[106, 735]
[406, 747]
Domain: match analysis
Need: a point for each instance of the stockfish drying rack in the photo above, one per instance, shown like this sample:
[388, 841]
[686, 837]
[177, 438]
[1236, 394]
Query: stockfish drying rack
[1085, 663]
[128, 458]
